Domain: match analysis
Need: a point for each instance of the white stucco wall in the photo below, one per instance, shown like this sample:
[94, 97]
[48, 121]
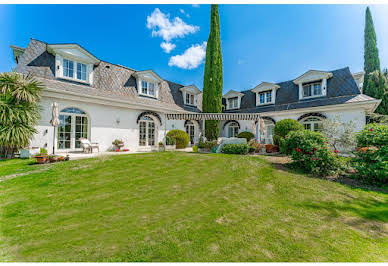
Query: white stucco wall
[102, 123]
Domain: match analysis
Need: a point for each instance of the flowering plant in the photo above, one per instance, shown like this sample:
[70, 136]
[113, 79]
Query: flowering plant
[311, 153]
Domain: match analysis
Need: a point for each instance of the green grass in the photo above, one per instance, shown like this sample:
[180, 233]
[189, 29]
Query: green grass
[185, 207]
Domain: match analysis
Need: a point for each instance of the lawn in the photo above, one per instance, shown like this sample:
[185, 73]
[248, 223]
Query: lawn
[184, 207]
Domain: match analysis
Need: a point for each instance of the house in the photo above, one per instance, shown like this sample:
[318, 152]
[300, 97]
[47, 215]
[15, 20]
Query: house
[102, 101]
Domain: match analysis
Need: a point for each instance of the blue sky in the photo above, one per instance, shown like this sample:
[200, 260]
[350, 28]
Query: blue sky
[259, 42]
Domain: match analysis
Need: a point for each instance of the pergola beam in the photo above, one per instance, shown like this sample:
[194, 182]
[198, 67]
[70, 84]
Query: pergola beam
[213, 116]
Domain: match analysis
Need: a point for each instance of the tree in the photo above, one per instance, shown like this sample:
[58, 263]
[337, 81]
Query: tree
[212, 82]
[375, 82]
[339, 135]
[19, 111]
[371, 53]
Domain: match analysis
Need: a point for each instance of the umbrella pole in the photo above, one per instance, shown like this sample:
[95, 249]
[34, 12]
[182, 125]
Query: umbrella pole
[54, 141]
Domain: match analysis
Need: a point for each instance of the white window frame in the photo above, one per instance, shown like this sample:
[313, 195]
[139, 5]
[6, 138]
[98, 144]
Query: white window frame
[265, 95]
[82, 71]
[234, 129]
[312, 90]
[233, 102]
[312, 121]
[190, 97]
[74, 75]
[148, 84]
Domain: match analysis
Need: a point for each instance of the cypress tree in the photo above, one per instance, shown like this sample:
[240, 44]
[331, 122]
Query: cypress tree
[375, 83]
[371, 53]
[212, 82]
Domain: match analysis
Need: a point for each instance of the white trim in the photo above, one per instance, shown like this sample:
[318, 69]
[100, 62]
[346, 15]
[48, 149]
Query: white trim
[233, 94]
[265, 86]
[61, 49]
[313, 75]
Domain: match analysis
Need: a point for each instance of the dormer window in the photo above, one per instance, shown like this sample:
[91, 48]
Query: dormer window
[190, 94]
[233, 99]
[233, 103]
[81, 71]
[190, 99]
[148, 88]
[310, 90]
[265, 93]
[73, 62]
[68, 68]
[313, 84]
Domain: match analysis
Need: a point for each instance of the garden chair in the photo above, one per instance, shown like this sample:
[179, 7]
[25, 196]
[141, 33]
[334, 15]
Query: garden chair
[88, 146]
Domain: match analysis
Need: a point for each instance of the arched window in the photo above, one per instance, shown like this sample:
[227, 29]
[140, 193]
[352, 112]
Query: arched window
[312, 123]
[233, 129]
[146, 131]
[73, 125]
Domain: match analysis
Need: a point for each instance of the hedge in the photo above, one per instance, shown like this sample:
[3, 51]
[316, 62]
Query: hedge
[181, 138]
[235, 149]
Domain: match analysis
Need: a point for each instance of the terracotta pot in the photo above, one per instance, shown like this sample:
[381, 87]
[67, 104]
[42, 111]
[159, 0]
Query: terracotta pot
[41, 159]
[61, 158]
[53, 159]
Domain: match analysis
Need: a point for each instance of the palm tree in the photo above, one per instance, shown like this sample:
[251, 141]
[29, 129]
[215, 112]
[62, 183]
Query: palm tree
[19, 111]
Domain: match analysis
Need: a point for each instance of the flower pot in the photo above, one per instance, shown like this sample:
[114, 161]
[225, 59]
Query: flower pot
[61, 158]
[53, 159]
[41, 159]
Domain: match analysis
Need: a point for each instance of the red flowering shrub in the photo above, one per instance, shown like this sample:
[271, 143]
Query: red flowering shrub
[311, 153]
[371, 161]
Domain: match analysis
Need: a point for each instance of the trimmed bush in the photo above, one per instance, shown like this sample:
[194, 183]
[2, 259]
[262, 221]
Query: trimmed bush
[181, 138]
[293, 141]
[371, 161]
[251, 149]
[246, 135]
[311, 153]
[207, 144]
[282, 128]
[235, 148]
[170, 140]
[195, 148]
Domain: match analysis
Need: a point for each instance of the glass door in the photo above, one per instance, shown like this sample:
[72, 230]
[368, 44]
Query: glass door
[64, 132]
[146, 132]
[190, 132]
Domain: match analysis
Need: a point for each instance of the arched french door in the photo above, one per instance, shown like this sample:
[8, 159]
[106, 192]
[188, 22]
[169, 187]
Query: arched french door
[147, 131]
[73, 125]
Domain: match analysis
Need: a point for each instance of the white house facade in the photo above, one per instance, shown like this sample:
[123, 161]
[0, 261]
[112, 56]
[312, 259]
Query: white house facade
[102, 102]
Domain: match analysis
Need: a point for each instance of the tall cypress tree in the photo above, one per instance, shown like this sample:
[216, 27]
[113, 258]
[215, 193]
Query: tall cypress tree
[375, 83]
[212, 82]
[371, 53]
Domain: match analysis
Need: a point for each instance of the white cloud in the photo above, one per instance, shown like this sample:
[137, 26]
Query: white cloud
[195, 5]
[191, 58]
[184, 13]
[162, 26]
[167, 46]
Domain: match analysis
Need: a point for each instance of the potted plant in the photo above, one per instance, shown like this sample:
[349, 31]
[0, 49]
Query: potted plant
[53, 158]
[161, 146]
[118, 143]
[41, 157]
[67, 157]
[60, 158]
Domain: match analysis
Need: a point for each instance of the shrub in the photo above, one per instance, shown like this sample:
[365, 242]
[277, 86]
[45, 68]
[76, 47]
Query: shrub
[257, 145]
[251, 149]
[181, 138]
[373, 135]
[269, 148]
[170, 140]
[207, 144]
[195, 148]
[311, 153]
[235, 148]
[246, 135]
[371, 161]
[293, 141]
[283, 127]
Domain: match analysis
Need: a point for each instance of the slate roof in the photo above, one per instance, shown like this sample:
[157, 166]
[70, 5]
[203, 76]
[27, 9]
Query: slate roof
[109, 80]
[341, 88]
